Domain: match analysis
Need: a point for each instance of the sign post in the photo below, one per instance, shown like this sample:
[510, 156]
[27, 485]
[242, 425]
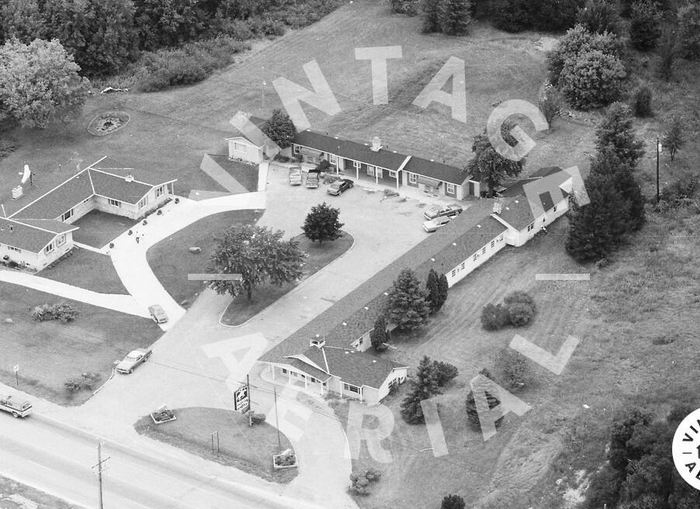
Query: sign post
[16, 370]
[241, 400]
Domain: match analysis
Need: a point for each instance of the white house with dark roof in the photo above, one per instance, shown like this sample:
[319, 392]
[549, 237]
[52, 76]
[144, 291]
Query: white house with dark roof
[343, 371]
[378, 163]
[101, 186]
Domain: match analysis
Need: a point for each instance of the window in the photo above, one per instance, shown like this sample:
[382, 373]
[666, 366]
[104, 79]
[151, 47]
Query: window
[370, 170]
[454, 272]
[142, 203]
[493, 243]
[297, 149]
[61, 240]
[450, 189]
[333, 159]
[412, 178]
[159, 191]
[238, 147]
[380, 173]
[48, 248]
[357, 164]
[12, 248]
[392, 174]
[284, 370]
[462, 266]
[483, 251]
[351, 388]
[475, 257]
[555, 208]
[500, 238]
[67, 215]
[114, 203]
[313, 379]
[530, 226]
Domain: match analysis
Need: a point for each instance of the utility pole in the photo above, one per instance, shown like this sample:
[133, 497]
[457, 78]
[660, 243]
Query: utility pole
[250, 402]
[277, 423]
[658, 149]
[99, 467]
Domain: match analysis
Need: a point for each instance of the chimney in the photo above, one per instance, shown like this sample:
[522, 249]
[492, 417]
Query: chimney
[497, 207]
[317, 342]
[376, 144]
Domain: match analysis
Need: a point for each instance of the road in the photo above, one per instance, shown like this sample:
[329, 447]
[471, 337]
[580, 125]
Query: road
[58, 460]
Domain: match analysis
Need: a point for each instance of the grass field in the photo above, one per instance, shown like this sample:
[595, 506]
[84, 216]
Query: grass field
[14, 495]
[87, 269]
[246, 448]
[318, 256]
[171, 261]
[49, 353]
[97, 228]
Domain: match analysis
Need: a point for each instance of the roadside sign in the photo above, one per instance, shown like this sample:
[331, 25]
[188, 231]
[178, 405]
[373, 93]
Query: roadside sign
[16, 368]
[241, 399]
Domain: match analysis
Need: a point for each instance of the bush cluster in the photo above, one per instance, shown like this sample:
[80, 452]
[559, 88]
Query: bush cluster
[542, 15]
[641, 102]
[362, 482]
[518, 309]
[513, 368]
[61, 311]
[86, 381]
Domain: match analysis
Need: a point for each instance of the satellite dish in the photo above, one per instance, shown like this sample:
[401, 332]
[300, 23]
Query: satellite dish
[26, 174]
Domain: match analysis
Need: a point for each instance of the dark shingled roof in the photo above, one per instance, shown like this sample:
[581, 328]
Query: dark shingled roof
[435, 170]
[350, 366]
[60, 199]
[517, 213]
[350, 310]
[350, 149]
[27, 237]
[50, 225]
[117, 188]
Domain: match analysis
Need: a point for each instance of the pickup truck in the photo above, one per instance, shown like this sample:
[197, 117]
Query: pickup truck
[312, 180]
[295, 176]
[15, 407]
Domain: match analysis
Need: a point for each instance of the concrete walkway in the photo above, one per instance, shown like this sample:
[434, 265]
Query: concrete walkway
[129, 254]
[122, 303]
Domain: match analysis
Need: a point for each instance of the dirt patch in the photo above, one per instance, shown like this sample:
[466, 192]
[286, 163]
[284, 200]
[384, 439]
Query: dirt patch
[108, 122]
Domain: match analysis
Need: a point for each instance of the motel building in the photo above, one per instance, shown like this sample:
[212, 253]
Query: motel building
[376, 163]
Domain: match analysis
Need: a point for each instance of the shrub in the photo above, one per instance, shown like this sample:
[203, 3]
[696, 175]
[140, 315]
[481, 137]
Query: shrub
[521, 298]
[604, 488]
[452, 502]
[555, 15]
[513, 369]
[674, 137]
[444, 372]
[681, 191]
[520, 314]
[688, 21]
[257, 418]
[472, 412]
[599, 16]
[62, 311]
[645, 26]
[641, 102]
[593, 79]
[379, 336]
[408, 7]
[550, 103]
[667, 55]
[87, 381]
[512, 15]
[361, 482]
[494, 317]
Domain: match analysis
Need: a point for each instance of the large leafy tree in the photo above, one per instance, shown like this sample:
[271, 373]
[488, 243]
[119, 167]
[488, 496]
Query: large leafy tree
[407, 304]
[422, 386]
[22, 19]
[168, 22]
[454, 16]
[645, 25]
[689, 30]
[599, 16]
[452, 502]
[431, 20]
[39, 83]
[280, 129]
[322, 223]
[259, 255]
[592, 79]
[617, 132]
[488, 165]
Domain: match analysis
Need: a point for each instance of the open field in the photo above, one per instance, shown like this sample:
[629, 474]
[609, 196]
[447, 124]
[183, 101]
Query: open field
[87, 269]
[14, 495]
[49, 353]
[97, 228]
[246, 448]
[319, 255]
[171, 261]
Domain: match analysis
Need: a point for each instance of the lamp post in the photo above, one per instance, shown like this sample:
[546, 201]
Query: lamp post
[659, 148]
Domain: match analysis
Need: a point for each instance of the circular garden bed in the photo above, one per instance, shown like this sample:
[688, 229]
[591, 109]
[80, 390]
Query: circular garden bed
[107, 123]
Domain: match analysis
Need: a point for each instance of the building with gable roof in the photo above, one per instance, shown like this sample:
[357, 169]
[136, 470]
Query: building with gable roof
[40, 232]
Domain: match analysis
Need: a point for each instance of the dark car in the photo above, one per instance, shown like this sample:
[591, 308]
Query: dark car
[340, 186]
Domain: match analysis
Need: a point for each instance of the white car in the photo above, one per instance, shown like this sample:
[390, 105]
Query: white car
[434, 224]
[450, 210]
[132, 360]
[158, 313]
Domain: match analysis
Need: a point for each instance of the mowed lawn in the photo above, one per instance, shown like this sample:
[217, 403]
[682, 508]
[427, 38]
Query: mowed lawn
[247, 448]
[622, 317]
[48, 353]
[86, 269]
[171, 260]
[97, 228]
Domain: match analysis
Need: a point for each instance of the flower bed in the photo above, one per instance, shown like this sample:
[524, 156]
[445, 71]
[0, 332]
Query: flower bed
[108, 122]
[287, 459]
[163, 415]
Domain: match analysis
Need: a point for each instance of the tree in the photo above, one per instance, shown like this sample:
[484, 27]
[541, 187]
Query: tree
[408, 7]
[599, 16]
[423, 386]
[688, 20]
[379, 336]
[645, 25]
[550, 103]
[667, 55]
[494, 316]
[623, 429]
[632, 217]
[407, 303]
[641, 101]
[592, 79]
[436, 289]
[489, 166]
[512, 15]
[616, 131]
[322, 223]
[452, 502]
[473, 413]
[39, 83]
[514, 369]
[23, 20]
[674, 137]
[168, 22]
[280, 129]
[444, 372]
[431, 21]
[454, 16]
[259, 255]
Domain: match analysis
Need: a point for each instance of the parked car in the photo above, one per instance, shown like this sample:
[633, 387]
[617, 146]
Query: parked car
[340, 186]
[158, 313]
[434, 224]
[450, 210]
[132, 360]
[295, 176]
[15, 407]
[312, 180]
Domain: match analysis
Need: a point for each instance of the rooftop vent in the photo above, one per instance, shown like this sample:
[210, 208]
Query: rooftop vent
[317, 342]
[366, 308]
[376, 144]
[129, 178]
[478, 226]
[345, 324]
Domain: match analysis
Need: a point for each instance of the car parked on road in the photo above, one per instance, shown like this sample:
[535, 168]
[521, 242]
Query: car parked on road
[450, 210]
[295, 176]
[312, 180]
[132, 360]
[434, 224]
[158, 313]
[340, 186]
[16, 407]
